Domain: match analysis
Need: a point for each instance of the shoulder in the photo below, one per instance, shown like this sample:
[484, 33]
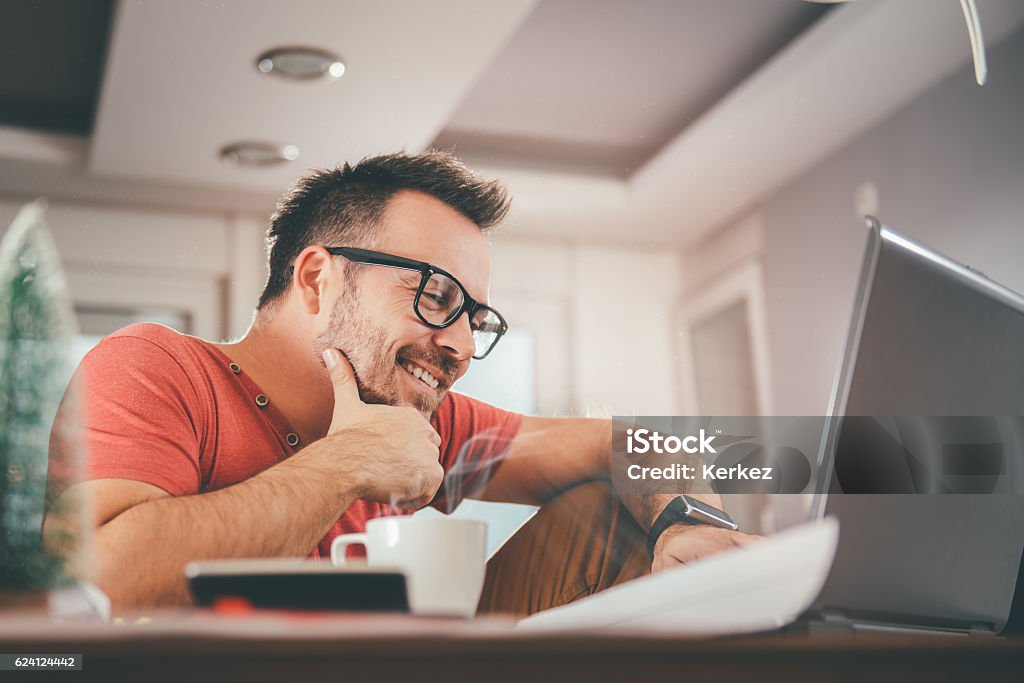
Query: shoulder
[153, 341]
[157, 335]
[149, 353]
[455, 405]
[460, 414]
[474, 436]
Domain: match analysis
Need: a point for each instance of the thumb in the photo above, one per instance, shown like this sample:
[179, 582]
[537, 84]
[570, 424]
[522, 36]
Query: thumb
[343, 377]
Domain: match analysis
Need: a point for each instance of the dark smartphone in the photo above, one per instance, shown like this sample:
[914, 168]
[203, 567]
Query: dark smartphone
[295, 585]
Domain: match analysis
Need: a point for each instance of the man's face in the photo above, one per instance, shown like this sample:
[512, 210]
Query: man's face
[372, 320]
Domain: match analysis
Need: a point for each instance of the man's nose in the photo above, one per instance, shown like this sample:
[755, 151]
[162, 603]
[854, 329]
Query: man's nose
[457, 338]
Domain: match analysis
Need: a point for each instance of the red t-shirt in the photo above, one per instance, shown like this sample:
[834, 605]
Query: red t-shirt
[171, 410]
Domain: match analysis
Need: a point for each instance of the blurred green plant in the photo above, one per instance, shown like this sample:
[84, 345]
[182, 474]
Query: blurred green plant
[36, 327]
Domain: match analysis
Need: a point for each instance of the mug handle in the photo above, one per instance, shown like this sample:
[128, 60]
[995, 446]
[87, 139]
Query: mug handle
[341, 543]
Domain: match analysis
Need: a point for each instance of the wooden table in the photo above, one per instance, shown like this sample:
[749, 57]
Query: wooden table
[283, 649]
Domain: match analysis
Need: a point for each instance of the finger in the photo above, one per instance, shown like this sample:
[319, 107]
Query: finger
[413, 504]
[435, 439]
[343, 378]
[741, 539]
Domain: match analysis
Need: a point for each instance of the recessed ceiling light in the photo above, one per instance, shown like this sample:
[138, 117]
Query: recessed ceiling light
[301, 63]
[257, 154]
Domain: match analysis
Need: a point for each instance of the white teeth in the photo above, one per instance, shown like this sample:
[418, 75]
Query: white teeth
[422, 375]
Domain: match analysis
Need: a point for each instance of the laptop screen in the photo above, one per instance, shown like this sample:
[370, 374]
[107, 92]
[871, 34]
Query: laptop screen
[928, 401]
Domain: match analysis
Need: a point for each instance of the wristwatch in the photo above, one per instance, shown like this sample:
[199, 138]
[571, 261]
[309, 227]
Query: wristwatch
[688, 510]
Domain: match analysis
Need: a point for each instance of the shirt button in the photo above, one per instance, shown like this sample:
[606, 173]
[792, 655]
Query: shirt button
[292, 439]
[235, 369]
[262, 400]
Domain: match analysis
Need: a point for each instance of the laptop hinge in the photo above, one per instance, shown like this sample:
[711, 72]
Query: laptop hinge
[839, 622]
[830, 623]
[982, 630]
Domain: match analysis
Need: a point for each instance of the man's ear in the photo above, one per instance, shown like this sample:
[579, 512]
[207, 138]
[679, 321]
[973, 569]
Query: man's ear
[309, 274]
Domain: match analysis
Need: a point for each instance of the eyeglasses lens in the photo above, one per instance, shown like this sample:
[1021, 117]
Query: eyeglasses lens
[440, 300]
[486, 326]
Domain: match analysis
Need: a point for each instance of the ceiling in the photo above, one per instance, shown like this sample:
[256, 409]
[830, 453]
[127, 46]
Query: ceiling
[655, 120]
[57, 49]
[602, 86]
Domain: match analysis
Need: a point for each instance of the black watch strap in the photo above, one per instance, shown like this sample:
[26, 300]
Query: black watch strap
[687, 510]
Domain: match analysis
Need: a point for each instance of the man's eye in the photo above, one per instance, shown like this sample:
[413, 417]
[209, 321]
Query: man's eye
[436, 299]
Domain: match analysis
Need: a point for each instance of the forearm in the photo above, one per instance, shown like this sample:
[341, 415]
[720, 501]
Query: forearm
[550, 455]
[139, 556]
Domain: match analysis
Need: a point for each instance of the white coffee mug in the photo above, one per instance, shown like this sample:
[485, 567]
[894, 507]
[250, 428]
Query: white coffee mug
[443, 559]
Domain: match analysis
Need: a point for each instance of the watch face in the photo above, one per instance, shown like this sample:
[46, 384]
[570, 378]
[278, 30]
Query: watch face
[702, 512]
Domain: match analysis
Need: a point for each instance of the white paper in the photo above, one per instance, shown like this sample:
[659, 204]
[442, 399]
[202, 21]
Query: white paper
[757, 587]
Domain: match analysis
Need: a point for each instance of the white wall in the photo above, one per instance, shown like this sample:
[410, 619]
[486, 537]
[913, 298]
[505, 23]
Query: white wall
[625, 352]
[950, 173]
[247, 270]
[613, 309]
[126, 257]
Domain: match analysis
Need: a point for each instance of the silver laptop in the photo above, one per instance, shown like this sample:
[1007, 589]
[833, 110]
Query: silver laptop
[923, 458]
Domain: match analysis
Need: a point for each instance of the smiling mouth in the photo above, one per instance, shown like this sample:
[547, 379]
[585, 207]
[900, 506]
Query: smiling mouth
[419, 373]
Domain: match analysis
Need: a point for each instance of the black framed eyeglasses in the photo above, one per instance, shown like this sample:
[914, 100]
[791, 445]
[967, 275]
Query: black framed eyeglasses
[440, 298]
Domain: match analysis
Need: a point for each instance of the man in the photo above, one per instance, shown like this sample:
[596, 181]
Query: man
[335, 408]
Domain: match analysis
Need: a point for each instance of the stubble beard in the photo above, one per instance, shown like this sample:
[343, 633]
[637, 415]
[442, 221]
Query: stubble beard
[376, 371]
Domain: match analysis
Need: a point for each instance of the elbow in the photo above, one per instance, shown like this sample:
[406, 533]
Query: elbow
[132, 573]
